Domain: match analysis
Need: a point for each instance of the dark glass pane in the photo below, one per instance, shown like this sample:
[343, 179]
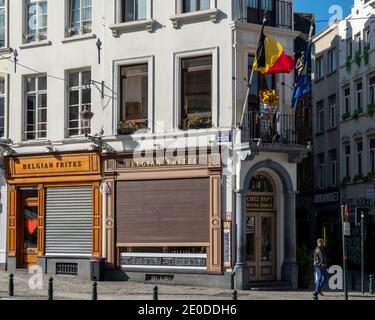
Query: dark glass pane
[129, 10]
[86, 96]
[73, 113]
[73, 98]
[73, 79]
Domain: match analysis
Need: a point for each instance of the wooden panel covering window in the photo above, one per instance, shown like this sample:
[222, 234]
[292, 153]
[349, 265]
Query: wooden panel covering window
[163, 211]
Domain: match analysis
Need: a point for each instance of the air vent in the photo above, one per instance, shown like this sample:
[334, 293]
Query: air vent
[67, 269]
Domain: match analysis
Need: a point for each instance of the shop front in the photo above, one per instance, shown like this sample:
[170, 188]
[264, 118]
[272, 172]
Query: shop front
[163, 218]
[54, 212]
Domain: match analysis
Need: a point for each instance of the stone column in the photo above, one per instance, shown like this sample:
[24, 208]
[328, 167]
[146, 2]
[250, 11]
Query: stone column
[241, 278]
[290, 267]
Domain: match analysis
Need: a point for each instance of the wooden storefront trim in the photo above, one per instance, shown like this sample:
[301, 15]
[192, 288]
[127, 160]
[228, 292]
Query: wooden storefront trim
[176, 244]
[61, 180]
[41, 219]
[12, 220]
[97, 222]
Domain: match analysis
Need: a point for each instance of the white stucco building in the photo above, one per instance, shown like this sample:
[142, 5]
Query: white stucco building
[178, 70]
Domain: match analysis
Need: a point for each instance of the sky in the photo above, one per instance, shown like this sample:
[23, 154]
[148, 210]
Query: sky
[321, 9]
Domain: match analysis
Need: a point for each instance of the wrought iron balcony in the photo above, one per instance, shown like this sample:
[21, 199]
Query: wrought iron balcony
[279, 13]
[272, 128]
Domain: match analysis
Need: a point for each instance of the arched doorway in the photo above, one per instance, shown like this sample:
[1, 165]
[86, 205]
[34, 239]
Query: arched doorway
[261, 228]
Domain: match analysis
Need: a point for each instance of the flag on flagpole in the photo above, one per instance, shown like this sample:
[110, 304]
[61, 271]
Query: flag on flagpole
[270, 57]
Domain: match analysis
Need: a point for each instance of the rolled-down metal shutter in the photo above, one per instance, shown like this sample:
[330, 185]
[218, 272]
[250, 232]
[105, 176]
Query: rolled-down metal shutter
[69, 221]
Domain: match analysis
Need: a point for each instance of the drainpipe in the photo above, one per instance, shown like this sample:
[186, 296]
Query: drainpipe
[105, 190]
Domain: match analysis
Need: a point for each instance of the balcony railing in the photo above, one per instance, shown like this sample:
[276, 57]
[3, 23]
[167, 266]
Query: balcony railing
[279, 13]
[271, 128]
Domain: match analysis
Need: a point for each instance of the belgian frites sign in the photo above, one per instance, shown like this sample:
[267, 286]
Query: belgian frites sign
[53, 164]
[259, 202]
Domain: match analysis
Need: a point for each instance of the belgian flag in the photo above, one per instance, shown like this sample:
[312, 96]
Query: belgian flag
[270, 56]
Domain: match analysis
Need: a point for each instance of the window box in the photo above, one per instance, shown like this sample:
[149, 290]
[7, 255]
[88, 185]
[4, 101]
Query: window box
[197, 121]
[345, 182]
[358, 177]
[211, 14]
[346, 116]
[371, 109]
[371, 176]
[357, 113]
[132, 25]
[129, 127]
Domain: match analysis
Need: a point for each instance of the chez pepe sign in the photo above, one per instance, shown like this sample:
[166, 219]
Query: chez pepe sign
[57, 164]
[259, 202]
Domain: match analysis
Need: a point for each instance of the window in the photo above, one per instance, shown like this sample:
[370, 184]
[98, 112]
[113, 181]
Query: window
[333, 167]
[372, 155]
[358, 42]
[332, 60]
[320, 112]
[195, 5]
[359, 157]
[79, 99]
[349, 47]
[367, 35]
[134, 94]
[347, 160]
[134, 10]
[2, 107]
[359, 95]
[79, 17]
[2, 23]
[319, 68]
[36, 107]
[332, 111]
[36, 20]
[347, 100]
[320, 170]
[196, 90]
[371, 97]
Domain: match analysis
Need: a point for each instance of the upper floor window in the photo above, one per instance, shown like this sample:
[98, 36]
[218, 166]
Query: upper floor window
[195, 5]
[347, 100]
[2, 23]
[320, 112]
[371, 92]
[320, 159]
[372, 155]
[359, 95]
[333, 166]
[359, 157]
[2, 107]
[367, 35]
[332, 65]
[134, 96]
[319, 68]
[36, 20]
[349, 47]
[134, 10]
[358, 42]
[36, 107]
[347, 159]
[332, 111]
[80, 17]
[196, 89]
[79, 99]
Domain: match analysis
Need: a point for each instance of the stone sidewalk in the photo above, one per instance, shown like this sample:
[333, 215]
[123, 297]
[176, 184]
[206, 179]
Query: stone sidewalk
[78, 288]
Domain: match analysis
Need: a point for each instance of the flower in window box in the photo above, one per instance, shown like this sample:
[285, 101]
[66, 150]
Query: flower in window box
[127, 127]
[358, 177]
[371, 176]
[371, 109]
[358, 58]
[197, 122]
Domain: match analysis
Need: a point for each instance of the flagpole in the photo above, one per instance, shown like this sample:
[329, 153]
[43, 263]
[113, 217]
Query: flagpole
[251, 76]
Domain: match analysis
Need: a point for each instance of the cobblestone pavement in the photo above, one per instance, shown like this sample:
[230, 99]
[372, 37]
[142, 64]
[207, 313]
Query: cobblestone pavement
[78, 288]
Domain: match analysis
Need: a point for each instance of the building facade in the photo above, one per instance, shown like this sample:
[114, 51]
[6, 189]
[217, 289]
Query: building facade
[138, 111]
[326, 125]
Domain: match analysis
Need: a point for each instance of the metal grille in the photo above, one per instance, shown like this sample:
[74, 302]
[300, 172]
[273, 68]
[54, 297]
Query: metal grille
[68, 269]
[69, 221]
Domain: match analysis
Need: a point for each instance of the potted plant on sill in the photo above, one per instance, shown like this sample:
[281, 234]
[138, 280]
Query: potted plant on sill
[371, 176]
[371, 109]
[358, 58]
[197, 122]
[346, 116]
[345, 182]
[127, 127]
[357, 113]
[304, 261]
[358, 177]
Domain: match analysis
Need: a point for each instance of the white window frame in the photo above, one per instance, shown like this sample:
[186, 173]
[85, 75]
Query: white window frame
[371, 155]
[319, 68]
[359, 157]
[82, 30]
[39, 36]
[347, 101]
[358, 42]
[359, 95]
[367, 35]
[333, 168]
[78, 88]
[332, 115]
[37, 93]
[347, 163]
[176, 102]
[180, 6]
[332, 60]
[150, 60]
[371, 90]
[349, 47]
[5, 8]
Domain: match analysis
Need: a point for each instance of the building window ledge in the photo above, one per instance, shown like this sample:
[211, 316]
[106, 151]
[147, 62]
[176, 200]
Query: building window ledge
[36, 44]
[132, 26]
[5, 50]
[79, 37]
[211, 14]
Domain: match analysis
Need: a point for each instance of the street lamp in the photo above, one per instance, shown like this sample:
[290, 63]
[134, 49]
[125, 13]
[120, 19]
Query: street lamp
[86, 116]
